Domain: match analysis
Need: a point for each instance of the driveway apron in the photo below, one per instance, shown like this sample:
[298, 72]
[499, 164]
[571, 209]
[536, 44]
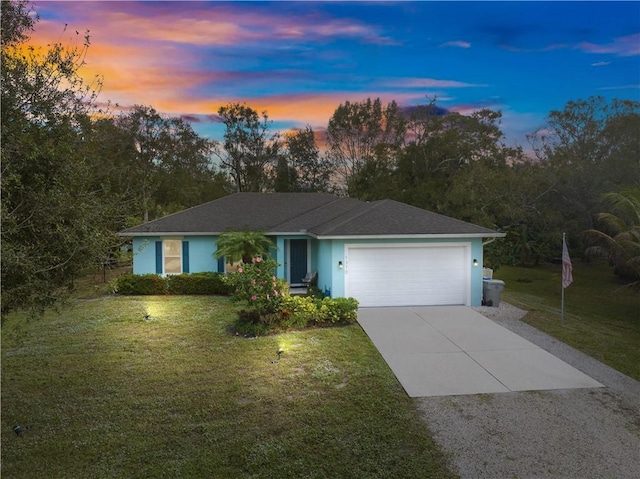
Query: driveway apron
[454, 350]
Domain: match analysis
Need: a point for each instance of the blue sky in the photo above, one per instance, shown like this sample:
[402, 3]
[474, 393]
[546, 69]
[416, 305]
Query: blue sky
[300, 60]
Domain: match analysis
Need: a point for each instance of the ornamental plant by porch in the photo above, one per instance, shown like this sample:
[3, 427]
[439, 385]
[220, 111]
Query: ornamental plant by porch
[257, 287]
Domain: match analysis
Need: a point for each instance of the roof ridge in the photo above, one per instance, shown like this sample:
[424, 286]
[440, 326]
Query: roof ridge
[435, 213]
[306, 212]
[372, 206]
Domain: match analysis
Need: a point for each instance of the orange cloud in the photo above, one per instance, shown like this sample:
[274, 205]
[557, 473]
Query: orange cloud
[203, 24]
[314, 109]
[152, 57]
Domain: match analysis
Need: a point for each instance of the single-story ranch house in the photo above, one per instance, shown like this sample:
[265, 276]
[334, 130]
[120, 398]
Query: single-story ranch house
[383, 253]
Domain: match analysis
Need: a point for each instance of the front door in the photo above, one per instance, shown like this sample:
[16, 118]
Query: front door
[297, 260]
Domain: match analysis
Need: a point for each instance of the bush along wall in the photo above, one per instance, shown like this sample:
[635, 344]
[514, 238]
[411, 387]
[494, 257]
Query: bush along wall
[296, 312]
[153, 284]
[269, 306]
[199, 283]
[133, 284]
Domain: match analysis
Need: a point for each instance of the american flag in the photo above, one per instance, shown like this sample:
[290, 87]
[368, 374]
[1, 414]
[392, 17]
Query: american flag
[567, 268]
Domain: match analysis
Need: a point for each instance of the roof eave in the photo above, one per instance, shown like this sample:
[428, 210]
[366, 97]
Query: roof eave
[415, 236]
[132, 234]
[124, 234]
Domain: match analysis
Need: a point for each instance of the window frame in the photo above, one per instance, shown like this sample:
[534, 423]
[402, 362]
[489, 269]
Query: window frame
[165, 256]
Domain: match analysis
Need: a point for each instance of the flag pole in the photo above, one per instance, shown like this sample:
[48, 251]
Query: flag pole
[567, 276]
[562, 281]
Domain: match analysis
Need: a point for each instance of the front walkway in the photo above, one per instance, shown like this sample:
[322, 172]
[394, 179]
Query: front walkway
[453, 350]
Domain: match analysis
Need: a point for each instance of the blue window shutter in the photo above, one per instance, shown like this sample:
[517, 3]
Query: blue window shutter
[185, 256]
[158, 257]
[221, 264]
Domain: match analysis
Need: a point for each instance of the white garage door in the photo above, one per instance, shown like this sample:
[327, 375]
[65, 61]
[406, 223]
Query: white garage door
[402, 275]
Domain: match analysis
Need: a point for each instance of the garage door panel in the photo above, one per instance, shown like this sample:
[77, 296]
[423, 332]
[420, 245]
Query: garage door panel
[410, 276]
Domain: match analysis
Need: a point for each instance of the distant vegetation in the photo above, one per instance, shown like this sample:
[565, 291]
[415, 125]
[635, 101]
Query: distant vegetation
[601, 312]
[74, 173]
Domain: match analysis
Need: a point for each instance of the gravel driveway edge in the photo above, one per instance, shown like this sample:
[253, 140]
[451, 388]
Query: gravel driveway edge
[568, 433]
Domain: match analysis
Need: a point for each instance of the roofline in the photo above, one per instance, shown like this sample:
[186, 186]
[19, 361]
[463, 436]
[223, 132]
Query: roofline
[317, 236]
[165, 233]
[209, 233]
[415, 236]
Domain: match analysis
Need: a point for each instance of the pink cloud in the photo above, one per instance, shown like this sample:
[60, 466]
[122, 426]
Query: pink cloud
[623, 46]
[548, 48]
[457, 43]
[429, 83]
[223, 24]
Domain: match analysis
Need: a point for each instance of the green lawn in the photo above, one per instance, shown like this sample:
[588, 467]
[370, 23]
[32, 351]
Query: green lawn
[602, 316]
[111, 395]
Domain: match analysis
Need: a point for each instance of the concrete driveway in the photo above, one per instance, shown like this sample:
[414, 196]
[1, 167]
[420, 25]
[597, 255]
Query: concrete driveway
[453, 350]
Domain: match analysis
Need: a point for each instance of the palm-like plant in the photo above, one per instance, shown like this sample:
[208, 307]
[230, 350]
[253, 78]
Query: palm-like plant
[242, 246]
[619, 238]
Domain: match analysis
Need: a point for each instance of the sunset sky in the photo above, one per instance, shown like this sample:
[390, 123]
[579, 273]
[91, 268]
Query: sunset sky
[300, 60]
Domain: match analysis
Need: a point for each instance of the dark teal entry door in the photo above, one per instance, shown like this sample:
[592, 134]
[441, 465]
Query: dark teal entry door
[297, 260]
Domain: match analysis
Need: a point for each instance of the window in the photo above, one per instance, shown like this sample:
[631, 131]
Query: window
[172, 256]
[232, 268]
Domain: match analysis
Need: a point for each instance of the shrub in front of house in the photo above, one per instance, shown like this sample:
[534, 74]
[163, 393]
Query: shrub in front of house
[199, 283]
[337, 311]
[269, 307]
[257, 288]
[132, 284]
[297, 311]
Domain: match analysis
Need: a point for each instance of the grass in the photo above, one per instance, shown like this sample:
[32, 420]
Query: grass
[602, 315]
[109, 394]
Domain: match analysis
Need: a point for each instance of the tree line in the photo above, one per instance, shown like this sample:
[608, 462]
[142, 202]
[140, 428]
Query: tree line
[74, 173]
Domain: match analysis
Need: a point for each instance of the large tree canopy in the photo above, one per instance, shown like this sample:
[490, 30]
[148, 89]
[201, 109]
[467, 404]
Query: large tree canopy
[361, 132]
[250, 151]
[55, 219]
[309, 169]
[618, 238]
[590, 148]
[168, 165]
[72, 175]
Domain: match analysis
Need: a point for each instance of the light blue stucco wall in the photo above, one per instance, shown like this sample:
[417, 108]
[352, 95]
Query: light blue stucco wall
[325, 258]
[476, 272]
[325, 273]
[144, 255]
[333, 251]
[201, 249]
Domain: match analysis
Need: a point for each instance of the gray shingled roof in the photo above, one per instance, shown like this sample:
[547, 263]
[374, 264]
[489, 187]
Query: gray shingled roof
[317, 214]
